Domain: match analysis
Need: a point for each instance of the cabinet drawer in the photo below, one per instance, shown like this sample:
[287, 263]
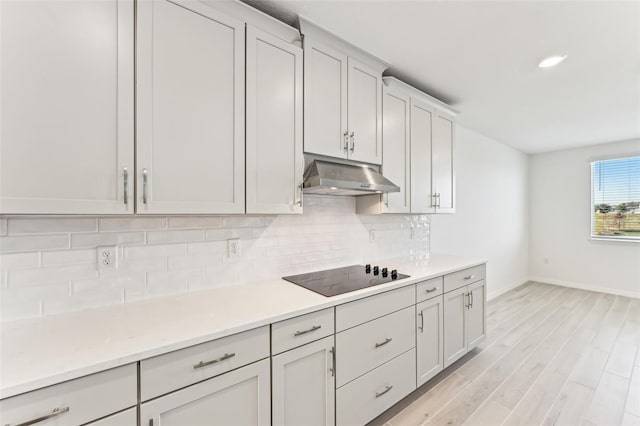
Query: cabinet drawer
[298, 331]
[363, 348]
[363, 310]
[124, 418]
[429, 289]
[367, 397]
[164, 373]
[76, 401]
[464, 277]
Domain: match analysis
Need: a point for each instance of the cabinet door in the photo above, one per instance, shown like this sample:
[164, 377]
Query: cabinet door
[429, 339]
[325, 100]
[365, 113]
[396, 150]
[190, 109]
[443, 171]
[421, 137]
[304, 385]
[454, 309]
[66, 107]
[476, 321]
[125, 418]
[274, 125]
[240, 397]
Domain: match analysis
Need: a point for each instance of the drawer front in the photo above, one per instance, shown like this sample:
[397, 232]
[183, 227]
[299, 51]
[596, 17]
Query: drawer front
[125, 418]
[363, 348]
[429, 289]
[165, 373]
[76, 401]
[466, 276]
[301, 330]
[363, 310]
[366, 398]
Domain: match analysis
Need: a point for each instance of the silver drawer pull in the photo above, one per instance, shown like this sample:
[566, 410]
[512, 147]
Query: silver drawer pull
[314, 328]
[430, 290]
[213, 361]
[386, 389]
[54, 413]
[468, 277]
[387, 340]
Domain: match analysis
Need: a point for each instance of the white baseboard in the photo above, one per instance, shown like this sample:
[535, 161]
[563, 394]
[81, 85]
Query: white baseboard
[589, 287]
[494, 294]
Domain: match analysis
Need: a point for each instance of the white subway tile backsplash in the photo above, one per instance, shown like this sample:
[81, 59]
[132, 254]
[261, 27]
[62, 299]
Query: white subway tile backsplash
[106, 239]
[195, 222]
[33, 243]
[161, 237]
[132, 223]
[51, 267]
[19, 225]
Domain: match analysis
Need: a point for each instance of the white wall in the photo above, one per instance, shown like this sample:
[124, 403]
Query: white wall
[560, 224]
[492, 213]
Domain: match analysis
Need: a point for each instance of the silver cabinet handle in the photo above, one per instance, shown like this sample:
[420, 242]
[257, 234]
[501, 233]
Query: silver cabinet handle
[213, 361]
[387, 340]
[144, 186]
[468, 304]
[314, 328]
[469, 277]
[386, 203]
[471, 294]
[438, 200]
[54, 413]
[386, 389]
[125, 175]
[299, 202]
[421, 321]
[333, 361]
[434, 203]
[150, 422]
[353, 142]
[431, 290]
[346, 142]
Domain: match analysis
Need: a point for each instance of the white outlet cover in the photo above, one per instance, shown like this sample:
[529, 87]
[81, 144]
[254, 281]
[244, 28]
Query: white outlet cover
[234, 248]
[107, 257]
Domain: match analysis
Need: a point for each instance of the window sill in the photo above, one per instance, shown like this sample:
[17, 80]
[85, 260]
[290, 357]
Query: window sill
[616, 240]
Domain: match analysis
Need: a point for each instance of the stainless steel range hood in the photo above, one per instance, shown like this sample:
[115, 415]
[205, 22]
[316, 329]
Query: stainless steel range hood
[329, 178]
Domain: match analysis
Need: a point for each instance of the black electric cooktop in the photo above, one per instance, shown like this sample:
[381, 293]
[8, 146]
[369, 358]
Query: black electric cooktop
[332, 282]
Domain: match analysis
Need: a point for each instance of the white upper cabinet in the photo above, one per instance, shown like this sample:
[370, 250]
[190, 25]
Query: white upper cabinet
[396, 149]
[66, 144]
[274, 125]
[342, 98]
[442, 162]
[325, 100]
[190, 109]
[364, 102]
[422, 200]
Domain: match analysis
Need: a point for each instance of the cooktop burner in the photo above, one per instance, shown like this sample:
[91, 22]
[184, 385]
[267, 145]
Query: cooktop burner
[332, 282]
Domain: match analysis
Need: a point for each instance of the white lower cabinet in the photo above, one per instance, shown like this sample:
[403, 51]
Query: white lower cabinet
[240, 397]
[464, 320]
[303, 385]
[125, 418]
[370, 395]
[429, 330]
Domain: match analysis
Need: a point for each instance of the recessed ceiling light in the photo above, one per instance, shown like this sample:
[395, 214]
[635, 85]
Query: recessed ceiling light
[551, 61]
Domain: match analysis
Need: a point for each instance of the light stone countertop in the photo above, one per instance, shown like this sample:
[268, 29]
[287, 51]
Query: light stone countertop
[40, 352]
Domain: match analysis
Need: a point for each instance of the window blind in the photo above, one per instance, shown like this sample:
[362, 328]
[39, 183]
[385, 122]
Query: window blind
[615, 198]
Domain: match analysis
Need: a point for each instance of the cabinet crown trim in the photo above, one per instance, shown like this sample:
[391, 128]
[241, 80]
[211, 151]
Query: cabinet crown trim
[310, 29]
[396, 84]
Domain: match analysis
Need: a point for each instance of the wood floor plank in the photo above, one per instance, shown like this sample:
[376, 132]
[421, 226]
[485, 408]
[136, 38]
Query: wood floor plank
[633, 396]
[608, 402]
[629, 419]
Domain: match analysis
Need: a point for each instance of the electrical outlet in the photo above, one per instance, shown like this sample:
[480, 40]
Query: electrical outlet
[372, 235]
[233, 248]
[107, 257]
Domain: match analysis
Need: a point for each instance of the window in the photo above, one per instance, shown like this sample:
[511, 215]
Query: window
[615, 198]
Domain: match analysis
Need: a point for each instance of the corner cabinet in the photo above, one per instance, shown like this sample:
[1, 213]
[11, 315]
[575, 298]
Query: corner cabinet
[190, 109]
[67, 107]
[342, 98]
[275, 163]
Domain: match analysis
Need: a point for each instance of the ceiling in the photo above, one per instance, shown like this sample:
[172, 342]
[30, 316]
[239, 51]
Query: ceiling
[481, 57]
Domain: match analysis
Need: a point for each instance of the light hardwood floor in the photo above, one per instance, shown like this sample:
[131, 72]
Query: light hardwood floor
[553, 356]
